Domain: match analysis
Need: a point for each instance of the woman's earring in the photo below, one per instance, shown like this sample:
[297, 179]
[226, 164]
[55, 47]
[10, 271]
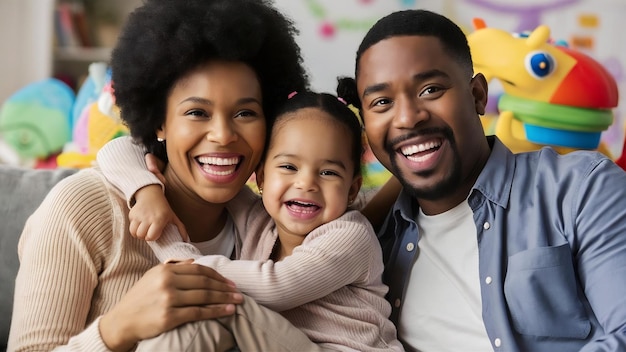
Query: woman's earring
[261, 190]
[160, 140]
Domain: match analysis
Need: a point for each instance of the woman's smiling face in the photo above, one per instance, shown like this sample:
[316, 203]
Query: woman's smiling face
[214, 130]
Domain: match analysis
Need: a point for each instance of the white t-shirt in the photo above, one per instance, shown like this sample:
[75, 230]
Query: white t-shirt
[443, 309]
[223, 243]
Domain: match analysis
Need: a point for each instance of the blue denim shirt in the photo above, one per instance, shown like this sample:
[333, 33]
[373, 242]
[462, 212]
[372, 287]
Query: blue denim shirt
[552, 250]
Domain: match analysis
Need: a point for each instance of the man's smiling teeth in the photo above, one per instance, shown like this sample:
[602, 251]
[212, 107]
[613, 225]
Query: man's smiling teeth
[413, 149]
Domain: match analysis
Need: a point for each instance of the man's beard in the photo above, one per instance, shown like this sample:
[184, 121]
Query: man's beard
[440, 190]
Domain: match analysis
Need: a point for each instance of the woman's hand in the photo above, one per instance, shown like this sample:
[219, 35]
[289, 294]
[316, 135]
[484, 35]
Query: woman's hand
[167, 296]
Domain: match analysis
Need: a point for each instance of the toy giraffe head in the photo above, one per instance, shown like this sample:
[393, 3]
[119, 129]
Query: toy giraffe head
[531, 66]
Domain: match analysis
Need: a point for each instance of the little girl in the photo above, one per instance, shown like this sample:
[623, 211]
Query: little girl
[305, 254]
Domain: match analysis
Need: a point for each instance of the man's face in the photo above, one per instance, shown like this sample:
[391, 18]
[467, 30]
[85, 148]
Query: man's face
[420, 109]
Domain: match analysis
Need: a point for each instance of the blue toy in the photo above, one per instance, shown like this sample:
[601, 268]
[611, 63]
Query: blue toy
[35, 120]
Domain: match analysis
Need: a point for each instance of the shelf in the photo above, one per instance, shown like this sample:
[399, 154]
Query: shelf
[80, 54]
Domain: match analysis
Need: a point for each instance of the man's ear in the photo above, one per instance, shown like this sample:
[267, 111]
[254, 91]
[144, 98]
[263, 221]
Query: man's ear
[480, 92]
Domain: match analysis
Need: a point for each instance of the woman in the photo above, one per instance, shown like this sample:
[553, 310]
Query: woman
[204, 75]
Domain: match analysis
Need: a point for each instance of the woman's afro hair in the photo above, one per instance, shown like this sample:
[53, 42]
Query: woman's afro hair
[163, 40]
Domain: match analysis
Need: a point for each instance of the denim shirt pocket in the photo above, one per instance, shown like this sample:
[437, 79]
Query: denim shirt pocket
[541, 293]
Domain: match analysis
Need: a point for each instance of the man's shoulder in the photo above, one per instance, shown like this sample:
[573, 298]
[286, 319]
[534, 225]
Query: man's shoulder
[547, 160]
[550, 153]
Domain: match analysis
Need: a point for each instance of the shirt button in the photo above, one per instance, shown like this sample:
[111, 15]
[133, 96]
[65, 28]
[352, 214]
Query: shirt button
[497, 342]
[488, 280]
[397, 303]
[410, 247]
[486, 225]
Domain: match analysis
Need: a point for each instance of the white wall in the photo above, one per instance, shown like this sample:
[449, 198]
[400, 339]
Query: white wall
[328, 57]
[26, 41]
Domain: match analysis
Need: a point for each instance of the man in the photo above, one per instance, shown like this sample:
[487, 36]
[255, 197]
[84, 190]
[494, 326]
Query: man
[484, 249]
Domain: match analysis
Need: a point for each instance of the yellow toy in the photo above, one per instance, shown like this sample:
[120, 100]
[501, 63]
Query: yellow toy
[552, 95]
[103, 125]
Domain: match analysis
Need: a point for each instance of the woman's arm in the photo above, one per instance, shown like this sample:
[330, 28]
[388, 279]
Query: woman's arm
[72, 271]
[59, 270]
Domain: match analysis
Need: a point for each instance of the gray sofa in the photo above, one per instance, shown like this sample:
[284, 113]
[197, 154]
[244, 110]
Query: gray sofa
[21, 191]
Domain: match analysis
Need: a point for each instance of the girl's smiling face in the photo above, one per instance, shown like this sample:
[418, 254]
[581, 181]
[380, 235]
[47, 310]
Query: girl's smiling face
[308, 178]
[214, 130]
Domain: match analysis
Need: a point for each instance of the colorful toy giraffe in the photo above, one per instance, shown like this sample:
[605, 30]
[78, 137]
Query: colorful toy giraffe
[552, 95]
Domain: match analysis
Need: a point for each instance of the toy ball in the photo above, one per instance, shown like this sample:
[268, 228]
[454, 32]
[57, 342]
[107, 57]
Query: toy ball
[35, 121]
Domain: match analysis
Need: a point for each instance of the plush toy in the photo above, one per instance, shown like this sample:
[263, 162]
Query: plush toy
[98, 123]
[552, 95]
[35, 122]
[89, 91]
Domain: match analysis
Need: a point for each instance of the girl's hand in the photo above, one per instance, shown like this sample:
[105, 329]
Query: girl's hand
[151, 213]
[165, 297]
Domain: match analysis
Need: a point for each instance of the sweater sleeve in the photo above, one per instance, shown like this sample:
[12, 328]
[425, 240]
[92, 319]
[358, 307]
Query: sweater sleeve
[122, 163]
[88, 340]
[170, 246]
[61, 251]
[332, 256]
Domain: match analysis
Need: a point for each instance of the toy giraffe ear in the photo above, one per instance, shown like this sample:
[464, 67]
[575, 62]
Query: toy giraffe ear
[478, 23]
[538, 37]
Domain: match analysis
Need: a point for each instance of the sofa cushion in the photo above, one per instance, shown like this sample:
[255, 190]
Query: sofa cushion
[21, 192]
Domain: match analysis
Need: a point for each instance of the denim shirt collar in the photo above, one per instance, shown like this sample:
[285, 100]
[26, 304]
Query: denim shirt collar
[494, 183]
[496, 178]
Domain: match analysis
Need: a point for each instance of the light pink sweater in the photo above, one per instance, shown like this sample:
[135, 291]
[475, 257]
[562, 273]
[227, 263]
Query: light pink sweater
[330, 287]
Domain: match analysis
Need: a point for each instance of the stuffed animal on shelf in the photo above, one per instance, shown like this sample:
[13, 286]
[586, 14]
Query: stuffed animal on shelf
[35, 123]
[98, 123]
[552, 95]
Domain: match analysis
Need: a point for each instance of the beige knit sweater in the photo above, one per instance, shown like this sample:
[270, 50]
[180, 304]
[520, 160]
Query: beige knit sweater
[77, 259]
